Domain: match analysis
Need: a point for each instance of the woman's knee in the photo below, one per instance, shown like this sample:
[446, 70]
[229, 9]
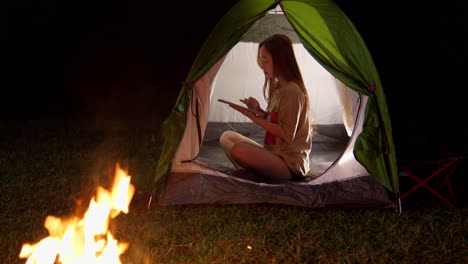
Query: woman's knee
[227, 136]
[244, 152]
[239, 151]
[236, 151]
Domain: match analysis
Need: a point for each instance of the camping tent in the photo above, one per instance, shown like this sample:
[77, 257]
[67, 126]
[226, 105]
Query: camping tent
[353, 160]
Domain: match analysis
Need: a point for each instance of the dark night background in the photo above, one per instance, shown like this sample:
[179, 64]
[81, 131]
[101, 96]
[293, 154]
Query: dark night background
[104, 60]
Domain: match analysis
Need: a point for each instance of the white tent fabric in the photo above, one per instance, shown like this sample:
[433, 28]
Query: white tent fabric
[346, 166]
[240, 77]
[189, 145]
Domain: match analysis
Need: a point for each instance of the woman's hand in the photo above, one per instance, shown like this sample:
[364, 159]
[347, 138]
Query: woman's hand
[252, 103]
[273, 128]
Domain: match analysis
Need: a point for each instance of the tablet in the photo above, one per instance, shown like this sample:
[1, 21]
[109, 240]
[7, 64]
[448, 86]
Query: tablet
[231, 103]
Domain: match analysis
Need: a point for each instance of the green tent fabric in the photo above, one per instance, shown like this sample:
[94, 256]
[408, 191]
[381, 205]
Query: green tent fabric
[268, 26]
[331, 38]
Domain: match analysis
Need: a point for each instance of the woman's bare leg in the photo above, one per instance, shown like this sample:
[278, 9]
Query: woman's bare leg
[260, 160]
[245, 153]
[228, 139]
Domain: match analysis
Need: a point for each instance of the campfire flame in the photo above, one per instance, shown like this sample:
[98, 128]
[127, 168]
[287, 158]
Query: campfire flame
[87, 239]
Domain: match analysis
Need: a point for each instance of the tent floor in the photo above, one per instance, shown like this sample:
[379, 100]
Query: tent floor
[196, 188]
[327, 145]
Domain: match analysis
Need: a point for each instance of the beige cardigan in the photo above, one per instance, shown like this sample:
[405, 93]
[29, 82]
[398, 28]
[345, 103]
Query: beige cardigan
[293, 116]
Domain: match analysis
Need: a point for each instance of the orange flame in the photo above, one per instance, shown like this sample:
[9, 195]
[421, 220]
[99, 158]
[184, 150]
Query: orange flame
[87, 239]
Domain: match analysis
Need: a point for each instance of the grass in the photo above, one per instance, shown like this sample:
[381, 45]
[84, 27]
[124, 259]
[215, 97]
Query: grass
[53, 167]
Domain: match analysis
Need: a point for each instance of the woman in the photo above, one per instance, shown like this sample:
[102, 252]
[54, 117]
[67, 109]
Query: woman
[287, 143]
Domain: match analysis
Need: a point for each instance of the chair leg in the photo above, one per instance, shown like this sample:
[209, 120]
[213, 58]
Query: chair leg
[424, 182]
[449, 183]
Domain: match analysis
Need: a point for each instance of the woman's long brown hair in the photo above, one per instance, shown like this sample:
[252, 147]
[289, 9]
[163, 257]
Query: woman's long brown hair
[284, 63]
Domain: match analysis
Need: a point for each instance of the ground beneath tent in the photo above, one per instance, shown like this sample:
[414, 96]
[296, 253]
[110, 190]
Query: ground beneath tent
[327, 145]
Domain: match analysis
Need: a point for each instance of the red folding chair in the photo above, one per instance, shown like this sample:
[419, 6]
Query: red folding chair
[440, 170]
